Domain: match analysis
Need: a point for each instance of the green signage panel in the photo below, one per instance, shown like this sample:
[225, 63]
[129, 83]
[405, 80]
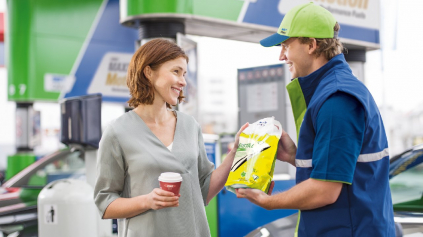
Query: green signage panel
[131, 8]
[219, 9]
[45, 38]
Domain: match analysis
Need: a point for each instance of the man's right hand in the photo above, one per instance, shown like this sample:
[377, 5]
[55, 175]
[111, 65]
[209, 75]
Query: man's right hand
[286, 149]
[159, 198]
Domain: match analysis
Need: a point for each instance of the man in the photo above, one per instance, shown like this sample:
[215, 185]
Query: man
[342, 156]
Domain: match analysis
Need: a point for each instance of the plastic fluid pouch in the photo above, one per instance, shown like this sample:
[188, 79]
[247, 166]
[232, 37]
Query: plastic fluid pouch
[255, 157]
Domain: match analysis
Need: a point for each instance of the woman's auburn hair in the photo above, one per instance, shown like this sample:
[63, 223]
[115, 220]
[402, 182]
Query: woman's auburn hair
[153, 53]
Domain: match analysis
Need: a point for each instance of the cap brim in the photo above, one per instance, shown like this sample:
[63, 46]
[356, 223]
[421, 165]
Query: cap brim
[273, 40]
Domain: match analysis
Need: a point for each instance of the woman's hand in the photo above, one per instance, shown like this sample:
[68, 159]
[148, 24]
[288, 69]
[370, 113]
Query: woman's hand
[236, 143]
[220, 175]
[286, 149]
[159, 198]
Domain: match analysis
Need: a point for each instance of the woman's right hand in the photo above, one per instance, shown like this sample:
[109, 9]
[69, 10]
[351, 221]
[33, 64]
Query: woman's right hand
[159, 198]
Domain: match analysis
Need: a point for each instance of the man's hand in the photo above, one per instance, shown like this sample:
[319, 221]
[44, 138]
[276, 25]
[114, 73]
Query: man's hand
[307, 195]
[255, 196]
[286, 149]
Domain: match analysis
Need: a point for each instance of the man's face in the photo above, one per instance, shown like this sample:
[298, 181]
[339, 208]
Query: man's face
[297, 56]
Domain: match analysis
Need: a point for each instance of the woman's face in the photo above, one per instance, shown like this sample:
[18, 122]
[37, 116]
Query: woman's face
[169, 79]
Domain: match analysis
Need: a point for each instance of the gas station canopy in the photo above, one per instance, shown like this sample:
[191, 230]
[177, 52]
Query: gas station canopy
[62, 49]
[253, 20]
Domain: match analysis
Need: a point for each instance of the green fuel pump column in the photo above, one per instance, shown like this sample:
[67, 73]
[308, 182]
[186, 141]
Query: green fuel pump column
[38, 48]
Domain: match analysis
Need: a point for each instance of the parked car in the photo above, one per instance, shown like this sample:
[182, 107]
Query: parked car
[18, 195]
[406, 182]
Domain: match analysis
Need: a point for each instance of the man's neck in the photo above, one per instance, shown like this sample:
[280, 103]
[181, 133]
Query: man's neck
[318, 63]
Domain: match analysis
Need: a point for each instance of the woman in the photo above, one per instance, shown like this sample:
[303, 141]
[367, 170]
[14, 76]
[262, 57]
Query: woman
[141, 144]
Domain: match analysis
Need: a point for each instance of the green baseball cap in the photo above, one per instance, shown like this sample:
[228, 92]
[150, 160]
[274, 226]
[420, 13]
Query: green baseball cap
[306, 20]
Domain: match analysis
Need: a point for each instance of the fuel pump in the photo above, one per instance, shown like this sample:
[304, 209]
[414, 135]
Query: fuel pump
[67, 206]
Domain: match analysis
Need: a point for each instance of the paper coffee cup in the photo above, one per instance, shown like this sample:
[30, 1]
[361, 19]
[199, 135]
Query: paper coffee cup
[171, 182]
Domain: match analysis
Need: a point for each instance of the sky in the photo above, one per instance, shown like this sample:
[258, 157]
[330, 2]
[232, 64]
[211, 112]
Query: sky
[398, 85]
[401, 77]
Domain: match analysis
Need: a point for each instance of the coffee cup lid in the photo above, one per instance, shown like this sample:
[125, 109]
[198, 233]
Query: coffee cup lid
[170, 177]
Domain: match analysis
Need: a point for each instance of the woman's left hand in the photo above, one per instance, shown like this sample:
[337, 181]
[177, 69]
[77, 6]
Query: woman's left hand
[220, 175]
[236, 143]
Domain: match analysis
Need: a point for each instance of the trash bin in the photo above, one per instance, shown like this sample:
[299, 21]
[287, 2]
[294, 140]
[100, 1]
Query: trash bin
[66, 208]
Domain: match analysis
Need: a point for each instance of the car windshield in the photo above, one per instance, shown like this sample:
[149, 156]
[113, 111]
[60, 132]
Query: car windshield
[64, 165]
[407, 185]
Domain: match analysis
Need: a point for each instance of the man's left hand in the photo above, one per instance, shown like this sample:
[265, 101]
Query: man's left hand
[255, 196]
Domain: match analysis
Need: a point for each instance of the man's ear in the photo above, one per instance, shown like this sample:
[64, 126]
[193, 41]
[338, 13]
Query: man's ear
[148, 72]
[312, 46]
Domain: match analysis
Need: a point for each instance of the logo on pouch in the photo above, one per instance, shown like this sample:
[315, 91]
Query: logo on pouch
[247, 145]
[262, 123]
